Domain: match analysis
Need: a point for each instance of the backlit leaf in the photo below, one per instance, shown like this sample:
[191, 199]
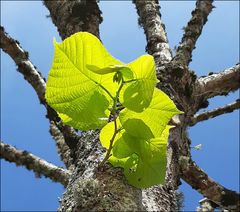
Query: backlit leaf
[146, 166]
[74, 91]
[137, 95]
[156, 116]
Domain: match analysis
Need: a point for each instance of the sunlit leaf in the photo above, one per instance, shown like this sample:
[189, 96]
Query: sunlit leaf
[123, 69]
[156, 116]
[137, 95]
[145, 164]
[72, 89]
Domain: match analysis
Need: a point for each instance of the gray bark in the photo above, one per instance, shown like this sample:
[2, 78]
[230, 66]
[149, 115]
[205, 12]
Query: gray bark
[74, 16]
[193, 30]
[222, 83]
[216, 112]
[39, 166]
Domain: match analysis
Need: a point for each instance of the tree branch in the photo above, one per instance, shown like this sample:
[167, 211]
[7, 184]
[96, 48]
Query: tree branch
[33, 76]
[219, 84]
[74, 16]
[62, 148]
[150, 20]
[216, 112]
[213, 191]
[34, 163]
[192, 31]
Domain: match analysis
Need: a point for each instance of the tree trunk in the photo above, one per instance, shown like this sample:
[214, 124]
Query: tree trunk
[91, 189]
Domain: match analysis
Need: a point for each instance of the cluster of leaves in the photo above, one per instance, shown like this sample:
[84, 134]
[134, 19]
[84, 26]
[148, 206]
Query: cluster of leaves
[90, 89]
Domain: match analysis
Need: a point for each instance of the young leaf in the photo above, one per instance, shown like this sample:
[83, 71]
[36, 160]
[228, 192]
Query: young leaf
[156, 116]
[81, 95]
[123, 69]
[120, 148]
[146, 166]
[107, 133]
[137, 95]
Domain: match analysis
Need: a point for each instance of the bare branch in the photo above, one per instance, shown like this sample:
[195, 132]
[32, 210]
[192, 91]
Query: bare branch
[150, 20]
[34, 163]
[192, 31]
[74, 16]
[219, 84]
[213, 191]
[213, 113]
[63, 149]
[31, 74]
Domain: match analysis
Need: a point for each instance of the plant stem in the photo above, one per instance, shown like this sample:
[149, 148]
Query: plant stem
[128, 81]
[111, 141]
[116, 130]
[107, 91]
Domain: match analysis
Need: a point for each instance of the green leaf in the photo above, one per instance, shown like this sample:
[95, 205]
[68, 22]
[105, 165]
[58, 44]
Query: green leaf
[107, 133]
[137, 128]
[146, 166]
[81, 96]
[156, 116]
[137, 95]
[126, 71]
[120, 148]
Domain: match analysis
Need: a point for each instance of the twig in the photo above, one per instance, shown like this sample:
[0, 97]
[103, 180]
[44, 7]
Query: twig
[34, 163]
[213, 191]
[219, 84]
[192, 31]
[150, 20]
[216, 112]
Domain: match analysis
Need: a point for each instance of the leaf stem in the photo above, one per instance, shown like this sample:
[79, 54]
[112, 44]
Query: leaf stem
[116, 130]
[106, 91]
[111, 141]
[128, 81]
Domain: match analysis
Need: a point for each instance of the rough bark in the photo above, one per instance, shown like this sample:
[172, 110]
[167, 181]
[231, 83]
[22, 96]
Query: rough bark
[199, 180]
[193, 30]
[219, 83]
[39, 166]
[150, 20]
[93, 189]
[74, 16]
[216, 112]
[62, 148]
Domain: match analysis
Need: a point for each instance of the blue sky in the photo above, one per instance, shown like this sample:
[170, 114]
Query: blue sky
[23, 122]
